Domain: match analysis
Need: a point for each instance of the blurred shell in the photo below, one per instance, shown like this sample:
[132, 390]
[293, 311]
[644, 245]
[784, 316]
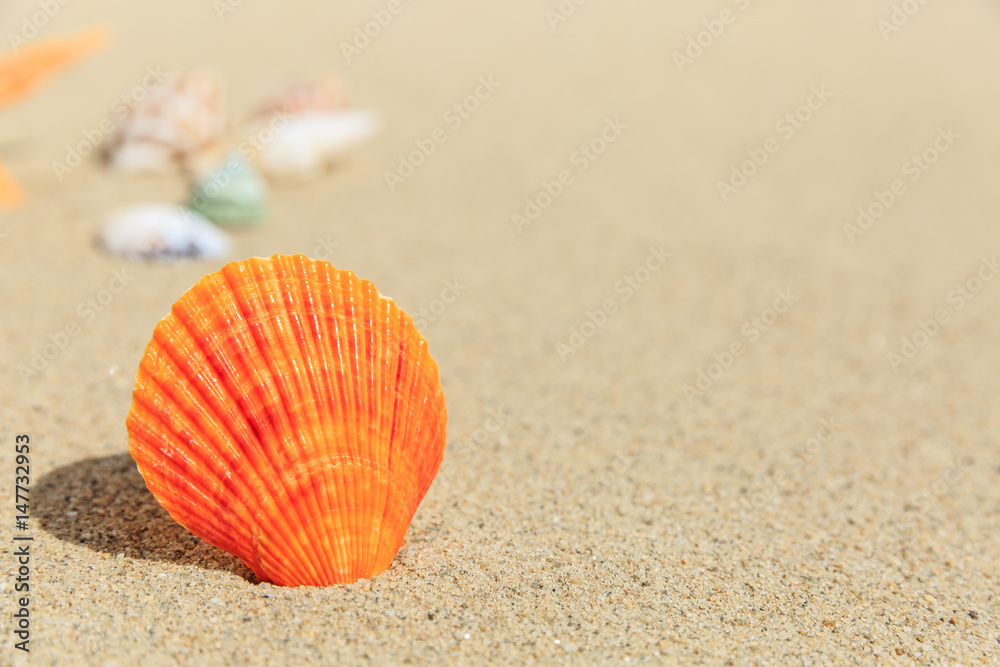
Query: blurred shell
[297, 97]
[24, 69]
[162, 231]
[286, 412]
[305, 144]
[180, 122]
[230, 194]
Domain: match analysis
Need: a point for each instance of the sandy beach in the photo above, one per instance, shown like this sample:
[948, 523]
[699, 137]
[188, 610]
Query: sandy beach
[711, 288]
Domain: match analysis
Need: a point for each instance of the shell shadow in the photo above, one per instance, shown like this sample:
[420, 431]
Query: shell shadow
[103, 504]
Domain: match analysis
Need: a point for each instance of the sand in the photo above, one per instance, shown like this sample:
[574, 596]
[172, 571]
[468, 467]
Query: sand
[739, 461]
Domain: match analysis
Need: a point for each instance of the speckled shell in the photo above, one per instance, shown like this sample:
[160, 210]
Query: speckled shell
[181, 121]
[286, 412]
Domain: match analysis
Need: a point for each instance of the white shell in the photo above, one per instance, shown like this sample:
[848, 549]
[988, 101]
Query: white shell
[179, 120]
[305, 144]
[162, 231]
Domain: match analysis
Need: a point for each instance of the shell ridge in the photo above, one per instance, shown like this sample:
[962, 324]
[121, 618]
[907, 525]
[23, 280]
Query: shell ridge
[293, 283]
[154, 412]
[377, 312]
[435, 464]
[225, 450]
[350, 289]
[357, 343]
[374, 310]
[255, 547]
[427, 469]
[162, 466]
[335, 340]
[310, 302]
[211, 529]
[180, 443]
[277, 414]
[345, 390]
[387, 368]
[381, 444]
[312, 384]
[419, 387]
[295, 391]
[404, 382]
[223, 394]
[392, 441]
[332, 341]
[369, 336]
[429, 459]
[226, 364]
[425, 375]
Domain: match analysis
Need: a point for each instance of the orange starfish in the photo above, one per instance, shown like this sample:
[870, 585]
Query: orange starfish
[22, 71]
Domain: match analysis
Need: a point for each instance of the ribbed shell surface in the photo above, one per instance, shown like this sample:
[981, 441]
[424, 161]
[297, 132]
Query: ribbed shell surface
[285, 412]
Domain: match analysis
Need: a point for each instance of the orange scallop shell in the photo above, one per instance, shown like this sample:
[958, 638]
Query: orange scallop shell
[286, 412]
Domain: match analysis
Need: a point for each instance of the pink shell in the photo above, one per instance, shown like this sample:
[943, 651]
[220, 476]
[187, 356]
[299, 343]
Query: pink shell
[182, 118]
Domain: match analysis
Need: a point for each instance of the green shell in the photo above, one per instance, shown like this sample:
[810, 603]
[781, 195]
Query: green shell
[231, 194]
